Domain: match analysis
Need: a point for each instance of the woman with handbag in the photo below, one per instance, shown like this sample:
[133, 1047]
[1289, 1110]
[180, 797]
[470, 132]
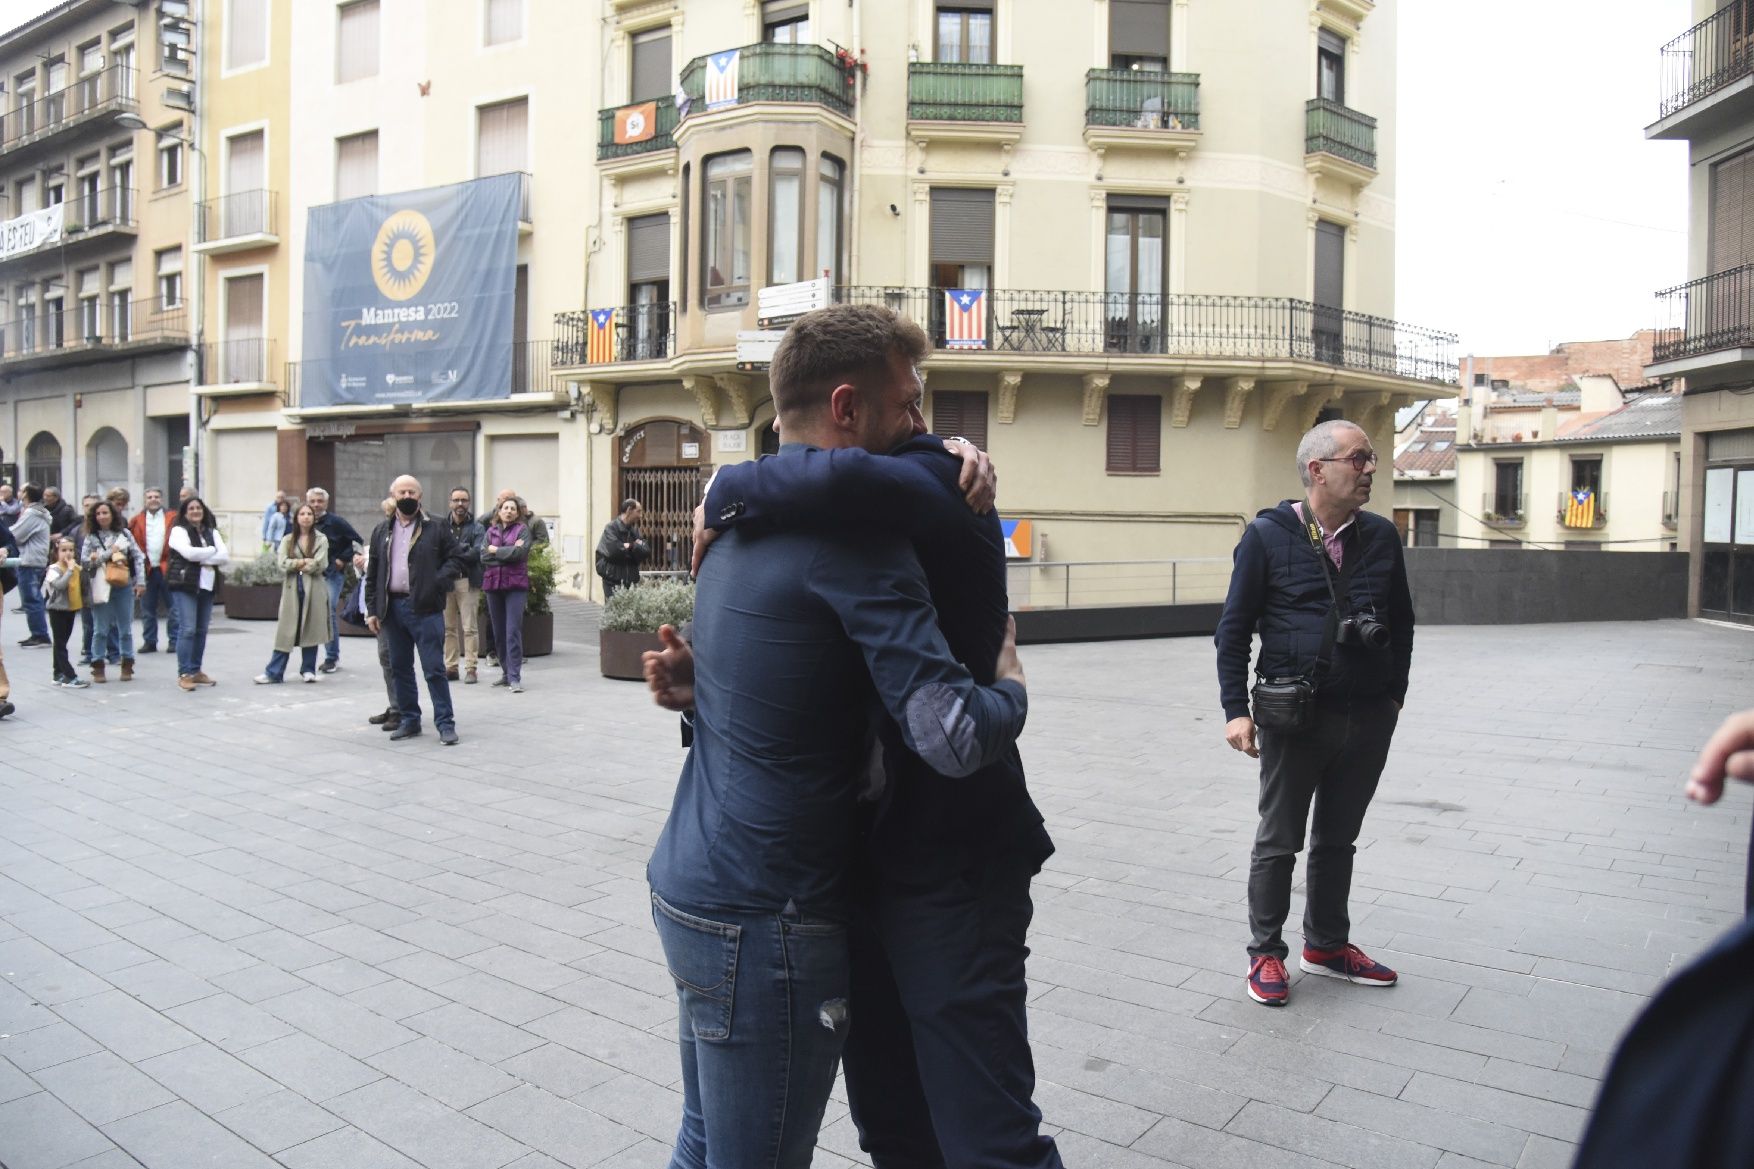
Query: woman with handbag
[505, 579]
[197, 552]
[64, 597]
[116, 571]
[304, 600]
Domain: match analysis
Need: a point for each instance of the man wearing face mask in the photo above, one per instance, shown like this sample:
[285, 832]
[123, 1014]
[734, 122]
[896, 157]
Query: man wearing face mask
[415, 562]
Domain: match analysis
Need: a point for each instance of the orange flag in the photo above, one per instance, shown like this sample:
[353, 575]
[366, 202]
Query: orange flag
[636, 123]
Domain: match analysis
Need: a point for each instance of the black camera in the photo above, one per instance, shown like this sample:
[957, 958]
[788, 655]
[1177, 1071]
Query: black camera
[1363, 629]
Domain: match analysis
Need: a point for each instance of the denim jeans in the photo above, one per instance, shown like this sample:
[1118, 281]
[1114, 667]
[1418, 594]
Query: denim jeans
[307, 662]
[423, 633]
[30, 594]
[156, 593]
[505, 612]
[336, 580]
[114, 619]
[85, 625]
[193, 612]
[762, 1016]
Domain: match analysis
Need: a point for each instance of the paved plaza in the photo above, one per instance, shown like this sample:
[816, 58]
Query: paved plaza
[239, 928]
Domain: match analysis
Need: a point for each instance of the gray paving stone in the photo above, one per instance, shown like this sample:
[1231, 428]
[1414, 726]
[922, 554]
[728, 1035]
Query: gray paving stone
[229, 1022]
[1427, 1126]
[1544, 1117]
[126, 1026]
[571, 1134]
[1547, 1153]
[160, 985]
[102, 1088]
[1182, 1143]
[505, 1001]
[209, 1078]
[474, 1033]
[396, 999]
[346, 1148]
[1343, 1144]
[442, 1072]
[343, 1025]
[309, 1067]
[279, 1121]
[40, 1132]
[637, 1104]
[425, 1130]
[44, 1047]
[175, 1136]
[14, 1083]
[558, 1069]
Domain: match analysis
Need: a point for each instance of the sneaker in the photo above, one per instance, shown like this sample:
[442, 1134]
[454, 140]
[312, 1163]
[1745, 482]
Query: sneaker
[265, 680]
[146, 649]
[378, 720]
[308, 676]
[451, 674]
[76, 684]
[186, 682]
[33, 642]
[448, 736]
[6, 708]
[469, 676]
[201, 679]
[1267, 981]
[502, 681]
[1348, 962]
[328, 667]
[517, 687]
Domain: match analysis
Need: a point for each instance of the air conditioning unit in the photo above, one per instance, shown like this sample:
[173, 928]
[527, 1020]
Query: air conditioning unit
[180, 99]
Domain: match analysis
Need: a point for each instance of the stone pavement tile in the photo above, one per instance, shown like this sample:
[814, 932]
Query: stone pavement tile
[636, 1008]
[505, 1001]
[40, 1132]
[111, 956]
[311, 1068]
[1343, 1144]
[1278, 1057]
[279, 1121]
[568, 1132]
[284, 949]
[61, 929]
[1090, 1153]
[255, 983]
[532, 938]
[367, 945]
[102, 1088]
[345, 1148]
[120, 913]
[1564, 1014]
[295, 917]
[1091, 1114]
[541, 911]
[1585, 1061]
[396, 999]
[474, 1033]
[44, 975]
[425, 970]
[1088, 1008]
[558, 1069]
[448, 941]
[637, 1104]
[527, 970]
[1457, 1161]
[209, 1078]
[1478, 1040]
[1544, 1117]
[323, 895]
[161, 985]
[342, 976]
[343, 1025]
[442, 1072]
[114, 1159]
[44, 1047]
[154, 932]
[1181, 1143]
[1547, 1153]
[421, 1128]
[14, 1083]
[1558, 1086]
[626, 1048]
[1428, 1126]
[1165, 1094]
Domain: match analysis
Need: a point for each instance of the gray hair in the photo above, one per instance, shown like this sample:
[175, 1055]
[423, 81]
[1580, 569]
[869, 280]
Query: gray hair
[1322, 442]
[318, 492]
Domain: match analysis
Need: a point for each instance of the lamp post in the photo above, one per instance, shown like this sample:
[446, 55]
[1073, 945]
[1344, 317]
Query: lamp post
[197, 292]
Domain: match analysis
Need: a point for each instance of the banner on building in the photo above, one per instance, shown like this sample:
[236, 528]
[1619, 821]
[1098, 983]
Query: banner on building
[1019, 539]
[600, 349]
[965, 318]
[636, 123]
[30, 231]
[409, 297]
[1580, 508]
[721, 79]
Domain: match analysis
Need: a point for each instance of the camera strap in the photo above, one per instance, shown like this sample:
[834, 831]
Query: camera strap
[1330, 627]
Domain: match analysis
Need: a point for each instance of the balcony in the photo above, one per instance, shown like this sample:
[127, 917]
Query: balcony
[87, 99]
[1708, 75]
[805, 74]
[636, 332]
[531, 372]
[1705, 329]
[1136, 108]
[1503, 509]
[1339, 142]
[1152, 325]
[97, 214]
[92, 332]
[244, 365]
[1671, 510]
[237, 223]
[1573, 515]
[949, 91]
[663, 131]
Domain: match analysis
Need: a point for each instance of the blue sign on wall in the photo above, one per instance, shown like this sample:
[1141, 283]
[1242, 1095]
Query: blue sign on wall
[409, 297]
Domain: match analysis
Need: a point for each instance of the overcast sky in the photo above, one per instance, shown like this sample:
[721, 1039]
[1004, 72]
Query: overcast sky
[1530, 209]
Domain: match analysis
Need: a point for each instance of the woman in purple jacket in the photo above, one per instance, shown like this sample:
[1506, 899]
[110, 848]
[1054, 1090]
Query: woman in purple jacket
[505, 578]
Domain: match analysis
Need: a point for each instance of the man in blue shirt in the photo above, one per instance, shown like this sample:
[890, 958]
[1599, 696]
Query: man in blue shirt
[798, 640]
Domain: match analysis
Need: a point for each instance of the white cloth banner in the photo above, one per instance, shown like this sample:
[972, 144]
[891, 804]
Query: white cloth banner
[32, 230]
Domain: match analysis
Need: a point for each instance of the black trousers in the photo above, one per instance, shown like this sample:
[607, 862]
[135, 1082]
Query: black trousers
[61, 622]
[1335, 764]
[937, 1060]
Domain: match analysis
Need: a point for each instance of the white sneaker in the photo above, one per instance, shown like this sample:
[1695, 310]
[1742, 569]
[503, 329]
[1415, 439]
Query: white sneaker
[308, 677]
[264, 680]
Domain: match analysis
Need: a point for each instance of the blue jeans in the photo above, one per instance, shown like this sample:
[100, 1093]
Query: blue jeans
[156, 593]
[307, 662]
[505, 612]
[114, 621]
[193, 612]
[335, 579]
[409, 632]
[30, 592]
[762, 1003]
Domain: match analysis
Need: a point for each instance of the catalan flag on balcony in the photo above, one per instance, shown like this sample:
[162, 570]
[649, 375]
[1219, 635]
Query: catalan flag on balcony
[636, 123]
[600, 347]
[1580, 509]
[721, 79]
[965, 318]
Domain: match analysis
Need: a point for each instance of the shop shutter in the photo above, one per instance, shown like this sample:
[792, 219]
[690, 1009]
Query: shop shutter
[962, 226]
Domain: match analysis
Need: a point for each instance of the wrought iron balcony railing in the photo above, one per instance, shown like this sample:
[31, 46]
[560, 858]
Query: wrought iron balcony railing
[1710, 55]
[781, 73]
[1707, 315]
[531, 372]
[94, 324]
[663, 129]
[1246, 327]
[1504, 509]
[1141, 100]
[1331, 128]
[244, 213]
[239, 361]
[96, 93]
[636, 332]
[949, 91]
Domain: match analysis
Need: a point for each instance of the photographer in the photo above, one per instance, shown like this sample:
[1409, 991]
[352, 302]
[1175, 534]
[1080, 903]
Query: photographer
[1324, 584]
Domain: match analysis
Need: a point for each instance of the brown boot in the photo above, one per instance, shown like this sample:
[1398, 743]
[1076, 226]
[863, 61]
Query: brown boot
[127, 669]
[97, 670]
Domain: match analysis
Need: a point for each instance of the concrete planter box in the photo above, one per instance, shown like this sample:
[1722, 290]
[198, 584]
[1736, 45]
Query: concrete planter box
[538, 635]
[618, 653]
[252, 602]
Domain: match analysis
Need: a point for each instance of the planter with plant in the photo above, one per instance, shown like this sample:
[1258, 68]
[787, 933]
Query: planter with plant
[630, 621]
[544, 564]
[252, 589]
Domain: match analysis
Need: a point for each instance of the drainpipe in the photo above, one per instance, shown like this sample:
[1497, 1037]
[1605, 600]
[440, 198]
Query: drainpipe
[857, 49]
[195, 472]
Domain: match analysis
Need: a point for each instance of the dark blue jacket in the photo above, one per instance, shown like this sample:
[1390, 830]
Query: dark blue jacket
[344, 541]
[796, 637]
[924, 821]
[1277, 590]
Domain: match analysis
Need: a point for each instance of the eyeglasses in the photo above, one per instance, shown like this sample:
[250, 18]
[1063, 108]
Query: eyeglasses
[1359, 461]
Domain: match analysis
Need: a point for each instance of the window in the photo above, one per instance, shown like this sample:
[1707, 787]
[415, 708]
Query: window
[89, 186]
[24, 103]
[169, 266]
[961, 241]
[1136, 261]
[725, 248]
[1415, 447]
[246, 33]
[1331, 66]
[89, 282]
[1442, 444]
[785, 22]
[1330, 291]
[828, 204]
[1138, 35]
[170, 160]
[682, 269]
[24, 195]
[649, 69]
[1507, 490]
[122, 182]
[356, 165]
[122, 60]
[121, 299]
[503, 21]
[1586, 475]
[1499, 383]
[27, 319]
[785, 215]
[244, 212]
[54, 319]
[242, 358]
[960, 413]
[91, 63]
[648, 288]
[1479, 379]
[55, 99]
[54, 188]
[1135, 434]
[502, 138]
[965, 33]
[356, 41]
[1732, 214]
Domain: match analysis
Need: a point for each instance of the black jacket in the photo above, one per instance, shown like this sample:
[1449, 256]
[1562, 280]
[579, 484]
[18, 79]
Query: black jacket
[616, 564]
[469, 536]
[435, 562]
[344, 541]
[63, 518]
[1277, 589]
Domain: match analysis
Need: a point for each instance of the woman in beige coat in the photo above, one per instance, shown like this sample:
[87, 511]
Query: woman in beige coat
[304, 599]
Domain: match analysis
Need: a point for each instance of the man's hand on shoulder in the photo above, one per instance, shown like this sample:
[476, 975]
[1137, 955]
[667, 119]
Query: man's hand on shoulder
[1009, 668]
[670, 671]
[1240, 734]
[979, 479]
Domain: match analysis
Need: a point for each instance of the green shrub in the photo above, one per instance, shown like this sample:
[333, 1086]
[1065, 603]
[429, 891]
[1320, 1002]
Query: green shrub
[263, 570]
[543, 563]
[641, 609]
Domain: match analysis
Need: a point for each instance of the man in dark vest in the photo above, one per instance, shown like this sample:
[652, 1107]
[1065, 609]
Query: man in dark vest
[621, 549]
[1325, 585]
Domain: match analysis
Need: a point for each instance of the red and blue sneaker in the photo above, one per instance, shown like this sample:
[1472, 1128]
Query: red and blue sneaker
[1348, 962]
[1267, 981]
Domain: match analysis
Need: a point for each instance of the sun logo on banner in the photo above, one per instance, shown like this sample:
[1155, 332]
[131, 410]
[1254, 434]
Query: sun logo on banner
[402, 255]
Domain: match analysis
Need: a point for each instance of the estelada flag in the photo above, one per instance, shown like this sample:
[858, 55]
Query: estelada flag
[636, 123]
[1580, 509]
[600, 346]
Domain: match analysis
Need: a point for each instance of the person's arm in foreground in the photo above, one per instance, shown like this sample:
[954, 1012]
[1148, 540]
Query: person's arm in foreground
[1728, 754]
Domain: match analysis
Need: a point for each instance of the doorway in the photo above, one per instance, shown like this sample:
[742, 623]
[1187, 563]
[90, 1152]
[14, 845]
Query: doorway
[665, 465]
[1726, 562]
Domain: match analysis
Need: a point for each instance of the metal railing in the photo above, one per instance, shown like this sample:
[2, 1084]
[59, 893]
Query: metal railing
[641, 332]
[107, 207]
[94, 324]
[1706, 315]
[85, 97]
[1503, 510]
[239, 361]
[1598, 510]
[1331, 128]
[1249, 327]
[1084, 584]
[663, 131]
[241, 213]
[775, 72]
[950, 91]
[1142, 100]
[1710, 55]
[531, 372]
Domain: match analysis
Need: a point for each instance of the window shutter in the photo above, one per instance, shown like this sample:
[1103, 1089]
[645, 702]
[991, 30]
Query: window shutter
[960, 412]
[244, 170]
[356, 41]
[505, 21]
[1135, 433]
[1138, 28]
[501, 143]
[1330, 265]
[356, 165]
[651, 65]
[780, 11]
[1732, 212]
[962, 226]
[648, 249]
[966, 6]
[1330, 42]
[246, 41]
[243, 308]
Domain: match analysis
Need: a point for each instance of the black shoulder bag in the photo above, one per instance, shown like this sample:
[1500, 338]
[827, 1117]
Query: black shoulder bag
[1288, 704]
